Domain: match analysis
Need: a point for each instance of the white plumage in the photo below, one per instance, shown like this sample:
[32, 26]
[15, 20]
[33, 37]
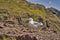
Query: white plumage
[34, 23]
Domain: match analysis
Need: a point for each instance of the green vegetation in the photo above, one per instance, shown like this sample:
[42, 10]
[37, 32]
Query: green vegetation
[17, 6]
[7, 38]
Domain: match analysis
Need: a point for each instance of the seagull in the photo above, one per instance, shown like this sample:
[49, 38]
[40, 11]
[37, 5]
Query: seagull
[34, 23]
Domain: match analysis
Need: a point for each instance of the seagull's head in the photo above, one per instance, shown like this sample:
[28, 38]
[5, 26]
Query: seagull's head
[30, 19]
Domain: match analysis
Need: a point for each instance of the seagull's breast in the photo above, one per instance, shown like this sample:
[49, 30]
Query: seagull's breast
[31, 22]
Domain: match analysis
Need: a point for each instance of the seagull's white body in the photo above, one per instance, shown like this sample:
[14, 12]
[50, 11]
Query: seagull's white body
[36, 24]
[41, 23]
[31, 21]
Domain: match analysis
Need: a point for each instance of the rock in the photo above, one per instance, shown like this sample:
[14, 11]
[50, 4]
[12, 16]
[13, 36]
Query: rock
[3, 11]
[19, 20]
[26, 37]
[47, 24]
[5, 17]
[9, 23]
[1, 27]
[40, 19]
[44, 28]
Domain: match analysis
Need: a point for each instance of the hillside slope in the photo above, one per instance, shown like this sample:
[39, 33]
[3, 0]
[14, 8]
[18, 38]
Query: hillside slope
[14, 15]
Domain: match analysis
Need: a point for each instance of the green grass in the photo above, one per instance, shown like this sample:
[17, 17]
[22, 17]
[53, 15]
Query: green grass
[8, 38]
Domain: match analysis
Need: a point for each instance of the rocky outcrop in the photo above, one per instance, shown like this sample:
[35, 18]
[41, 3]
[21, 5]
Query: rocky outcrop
[26, 37]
